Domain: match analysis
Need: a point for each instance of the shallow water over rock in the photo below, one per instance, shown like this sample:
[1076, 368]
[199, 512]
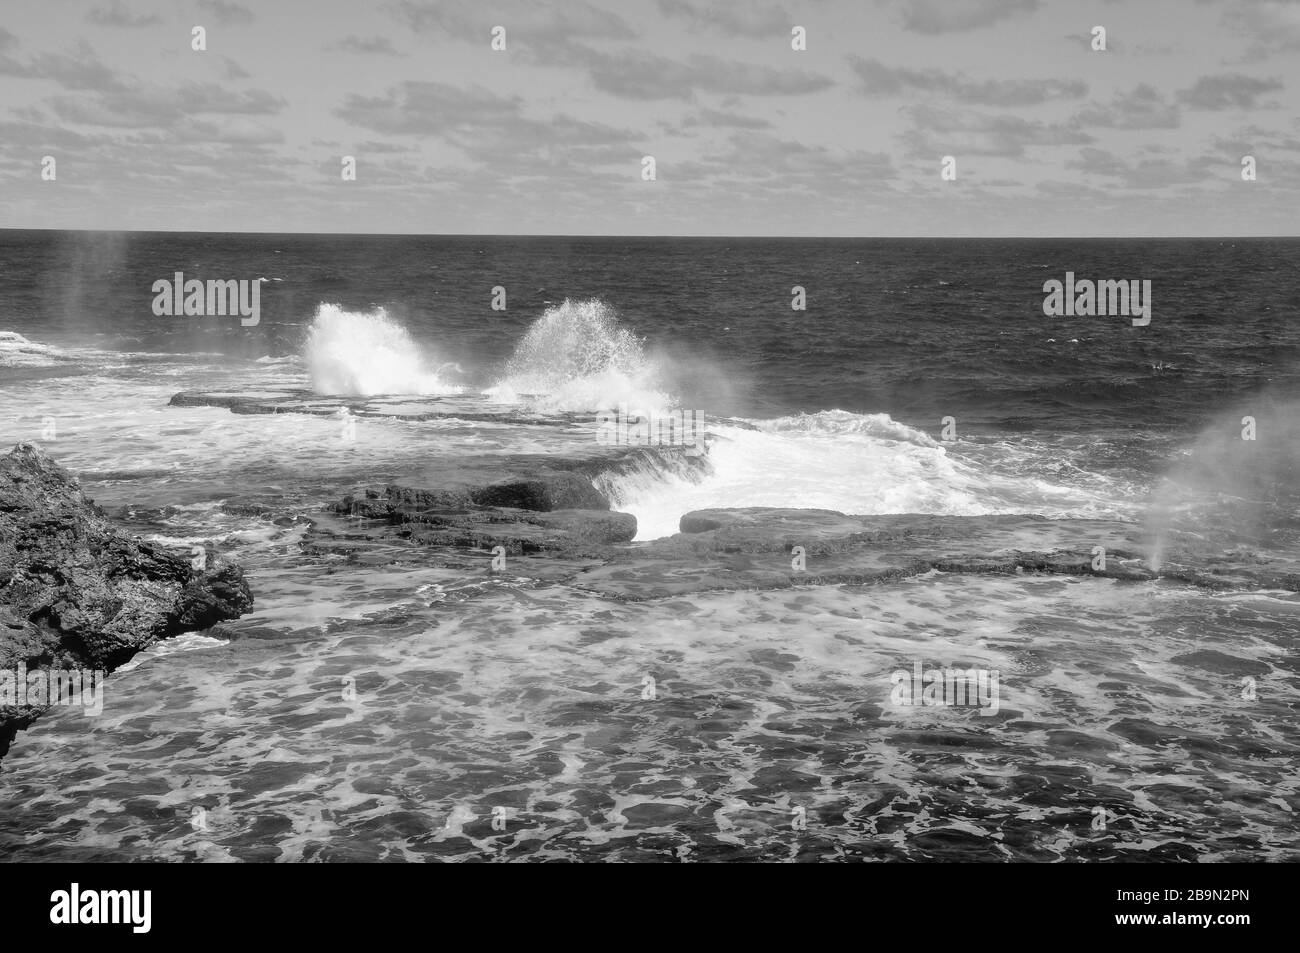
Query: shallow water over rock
[426, 700]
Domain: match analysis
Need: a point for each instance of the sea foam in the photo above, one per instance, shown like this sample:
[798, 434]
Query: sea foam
[862, 464]
[17, 351]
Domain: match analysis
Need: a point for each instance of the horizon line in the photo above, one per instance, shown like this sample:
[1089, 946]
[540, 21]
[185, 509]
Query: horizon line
[178, 231]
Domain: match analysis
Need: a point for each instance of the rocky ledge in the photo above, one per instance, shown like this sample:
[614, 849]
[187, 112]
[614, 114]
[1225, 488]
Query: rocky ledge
[765, 548]
[757, 548]
[414, 408]
[76, 593]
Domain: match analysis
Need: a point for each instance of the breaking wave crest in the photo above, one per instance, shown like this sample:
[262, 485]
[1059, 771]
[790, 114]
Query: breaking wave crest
[366, 353]
[578, 357]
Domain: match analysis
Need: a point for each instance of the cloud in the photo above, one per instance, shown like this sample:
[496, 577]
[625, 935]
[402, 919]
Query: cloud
[419, 108]
[749, 20]
[1252, 139]
[1075, 191]
[1141, 173]
[227, 130]
[752, 168]
[775, 156]
[937, 132]
[958, 16]
[717, 119]
[150, 107]
[638, 74]
[116, 13]
[1273, 151]
[747, 139]
[37, 131]
[226, 12]
[78, 70]
[1227, 91]
[212, 98]
[1273, 26]
[232, 69]
[525, 20]
[1142, 108]
[881, 80]
[493, 131]
[375, 45]
[375, 146]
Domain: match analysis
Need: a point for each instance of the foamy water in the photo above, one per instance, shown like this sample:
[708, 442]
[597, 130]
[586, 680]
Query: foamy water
[851, 463]
[470, 702]
[17, 351]
[477, 691]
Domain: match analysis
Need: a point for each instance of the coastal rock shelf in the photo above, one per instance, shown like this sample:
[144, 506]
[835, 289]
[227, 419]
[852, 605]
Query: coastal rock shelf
[549, 512]
[293, 401]
[75, 592]
[754, 548]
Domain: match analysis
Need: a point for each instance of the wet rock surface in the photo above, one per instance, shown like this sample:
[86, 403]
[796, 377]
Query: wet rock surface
[559, 510]
[76, 592]
[772, 548]
[294, 401]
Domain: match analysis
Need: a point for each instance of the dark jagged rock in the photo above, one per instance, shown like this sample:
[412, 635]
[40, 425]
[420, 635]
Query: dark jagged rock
[543, 492]
[77, 593]
[571, 532]
[546, 491]
[551, 512]
[395, 503]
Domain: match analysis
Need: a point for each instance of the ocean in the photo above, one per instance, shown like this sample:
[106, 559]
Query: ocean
[502, 716]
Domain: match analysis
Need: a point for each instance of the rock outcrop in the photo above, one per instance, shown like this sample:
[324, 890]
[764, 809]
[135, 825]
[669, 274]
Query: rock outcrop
[772, 548]
[558, 512]
[75, 592]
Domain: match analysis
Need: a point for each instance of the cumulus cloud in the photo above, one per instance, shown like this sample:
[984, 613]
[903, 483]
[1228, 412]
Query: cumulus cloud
[881, 80]
[640, 74]
[116, 13]
[1271, 26]
[525, 20]
[146, 107]
[420, 108]
[1227, 91]
[745, 19]
[1141, 173]
[492, 130]
[747, 134]
[937, 131]
[958, 16]
[80, 69]
[369, 45]
[226, 12]
[1143, 107]
[753, 165]
[720, 119]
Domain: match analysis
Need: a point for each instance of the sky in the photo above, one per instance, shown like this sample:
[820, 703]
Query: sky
[749, 136]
